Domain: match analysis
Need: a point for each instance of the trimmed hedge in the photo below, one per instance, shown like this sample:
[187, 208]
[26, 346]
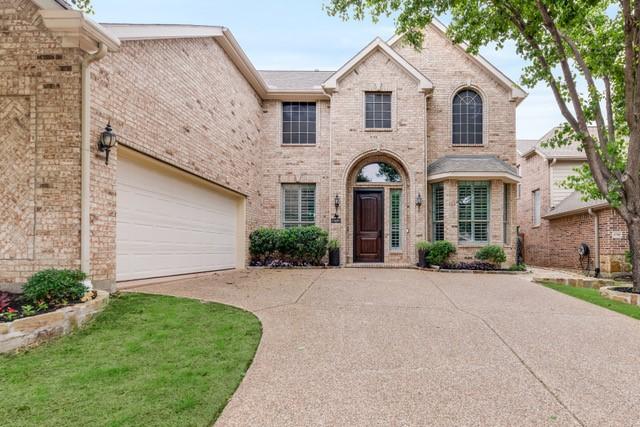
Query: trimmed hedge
[55, 287]
[492, 253]
[440, 251]
[297, 245]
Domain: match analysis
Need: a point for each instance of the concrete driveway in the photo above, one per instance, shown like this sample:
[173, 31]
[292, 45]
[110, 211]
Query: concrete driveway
[403, 347]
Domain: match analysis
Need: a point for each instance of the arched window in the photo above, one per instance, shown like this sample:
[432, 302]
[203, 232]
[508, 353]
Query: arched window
[378, 172]
[467, 118]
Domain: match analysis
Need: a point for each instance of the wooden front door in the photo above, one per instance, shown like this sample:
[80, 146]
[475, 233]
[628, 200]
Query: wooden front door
[368, 226]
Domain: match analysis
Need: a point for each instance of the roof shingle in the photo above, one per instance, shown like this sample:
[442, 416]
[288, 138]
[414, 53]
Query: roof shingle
[295, 80]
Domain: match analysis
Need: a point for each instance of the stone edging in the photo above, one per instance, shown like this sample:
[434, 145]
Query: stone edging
[442, 270]
[576, 282]
[34, 330]
[628, 298]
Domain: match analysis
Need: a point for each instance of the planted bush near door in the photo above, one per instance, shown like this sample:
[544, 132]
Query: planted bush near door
[493, 254]
[295, 246]
[423, 250]
[440, 251]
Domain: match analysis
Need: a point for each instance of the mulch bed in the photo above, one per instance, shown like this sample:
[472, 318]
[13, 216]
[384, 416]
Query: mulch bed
[15, 303]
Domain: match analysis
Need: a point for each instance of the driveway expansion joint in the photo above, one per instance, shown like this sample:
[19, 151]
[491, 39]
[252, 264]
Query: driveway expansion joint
[513, 351]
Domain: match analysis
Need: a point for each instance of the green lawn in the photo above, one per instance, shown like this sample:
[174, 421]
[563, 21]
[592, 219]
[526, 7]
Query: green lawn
[593, 296]
[146, 360]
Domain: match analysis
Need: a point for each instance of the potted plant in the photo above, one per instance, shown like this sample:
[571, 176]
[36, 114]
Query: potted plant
[423, 251]
[334, 253]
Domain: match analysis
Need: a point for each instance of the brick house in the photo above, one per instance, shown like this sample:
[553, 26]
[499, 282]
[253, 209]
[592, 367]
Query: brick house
[396, 146]
[555, 221]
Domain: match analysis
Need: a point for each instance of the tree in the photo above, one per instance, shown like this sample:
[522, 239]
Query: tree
[83, 5]
[566, 43]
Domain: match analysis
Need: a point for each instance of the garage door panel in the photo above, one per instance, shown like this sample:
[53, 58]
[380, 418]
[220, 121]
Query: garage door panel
[169, 224]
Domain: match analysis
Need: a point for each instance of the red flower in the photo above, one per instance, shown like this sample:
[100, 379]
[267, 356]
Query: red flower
[12, 310]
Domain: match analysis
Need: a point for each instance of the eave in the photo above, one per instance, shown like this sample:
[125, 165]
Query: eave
[77, 31]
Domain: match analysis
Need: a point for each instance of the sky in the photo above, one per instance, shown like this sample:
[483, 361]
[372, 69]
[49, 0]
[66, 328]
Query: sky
[299, 35]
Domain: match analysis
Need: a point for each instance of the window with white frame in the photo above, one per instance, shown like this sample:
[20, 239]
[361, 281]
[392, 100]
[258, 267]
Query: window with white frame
[473, 212]
[298, 205]
[537, 207]
[437, 217]
[377, 110]
[299, 123]
[396, 219]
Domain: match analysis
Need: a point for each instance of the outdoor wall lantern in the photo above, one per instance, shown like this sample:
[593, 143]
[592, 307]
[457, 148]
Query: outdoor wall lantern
[419, 200]
[337, 204]
[108, 140]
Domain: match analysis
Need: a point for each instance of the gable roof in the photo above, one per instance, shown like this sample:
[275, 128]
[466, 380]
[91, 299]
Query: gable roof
[517, 93]
[571, 151]
[295, 80]
[471, 166]
[574, 204]
[424, 84]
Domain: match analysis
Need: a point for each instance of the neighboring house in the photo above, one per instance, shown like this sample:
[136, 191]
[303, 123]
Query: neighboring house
[396, 146]
[555, 221]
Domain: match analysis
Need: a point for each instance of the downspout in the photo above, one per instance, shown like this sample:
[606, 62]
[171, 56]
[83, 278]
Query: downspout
[596, 227]
[85, 222]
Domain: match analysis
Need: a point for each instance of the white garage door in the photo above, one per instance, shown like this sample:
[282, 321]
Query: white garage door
[171, 223]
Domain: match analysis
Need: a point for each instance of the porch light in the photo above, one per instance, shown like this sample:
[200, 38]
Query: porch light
[419, 200]
[108, 140]
[336, 202]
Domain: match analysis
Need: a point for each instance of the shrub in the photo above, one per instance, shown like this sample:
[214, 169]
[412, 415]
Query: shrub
[492, 253]
[440, 251]
[55, 287]
[297, 245]
[263, 242]
[518, 267]
[627, 258]
[423, 245]
[333, 245]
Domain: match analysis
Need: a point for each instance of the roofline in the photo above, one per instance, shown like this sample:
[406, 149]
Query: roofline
[424, 84]
[52, 4]
[505, 176]
[76, 30]
[517, 93]
[577, 211]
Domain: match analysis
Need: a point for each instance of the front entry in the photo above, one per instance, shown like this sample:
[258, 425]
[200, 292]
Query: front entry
[368, 223]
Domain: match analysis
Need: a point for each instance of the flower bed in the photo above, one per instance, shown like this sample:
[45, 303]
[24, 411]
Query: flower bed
[28, 331]
[480, 267]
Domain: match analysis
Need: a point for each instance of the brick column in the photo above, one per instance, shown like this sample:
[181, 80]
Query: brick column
[451, 211]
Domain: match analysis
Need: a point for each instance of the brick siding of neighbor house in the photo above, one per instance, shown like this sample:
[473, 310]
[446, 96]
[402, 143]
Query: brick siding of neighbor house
[535, 176]
[556, 241]
[40, 132]
[181, 101]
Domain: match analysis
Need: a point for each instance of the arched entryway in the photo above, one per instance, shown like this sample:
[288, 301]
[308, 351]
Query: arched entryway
[378, 215]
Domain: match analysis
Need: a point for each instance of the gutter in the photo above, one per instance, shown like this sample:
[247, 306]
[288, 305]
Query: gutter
[85, 223]
[596, 222]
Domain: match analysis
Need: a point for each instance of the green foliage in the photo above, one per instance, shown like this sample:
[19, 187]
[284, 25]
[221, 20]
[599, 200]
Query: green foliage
[333, 245]
[440, 251]
[492, 253]
[55, 287]
[423, 245]
[28, 310]
[628, 257]
[83, 5]
[518, 267]
[296, 244]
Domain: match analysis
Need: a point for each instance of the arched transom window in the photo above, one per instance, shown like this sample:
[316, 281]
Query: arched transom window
[378, 172]
[467, 118]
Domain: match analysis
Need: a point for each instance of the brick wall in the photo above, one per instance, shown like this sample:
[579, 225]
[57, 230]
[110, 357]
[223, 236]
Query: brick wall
[40, 132]
[180, 101]
[535, 176]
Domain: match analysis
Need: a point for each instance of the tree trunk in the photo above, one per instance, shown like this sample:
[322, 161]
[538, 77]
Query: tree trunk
[634, 245]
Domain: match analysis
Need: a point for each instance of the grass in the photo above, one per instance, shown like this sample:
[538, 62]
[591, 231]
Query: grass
[593, 296]
[146, 360]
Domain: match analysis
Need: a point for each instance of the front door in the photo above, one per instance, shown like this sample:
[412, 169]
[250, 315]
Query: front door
[368, 226]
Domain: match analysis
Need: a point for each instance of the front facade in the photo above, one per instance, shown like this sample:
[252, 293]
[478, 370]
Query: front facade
[396, 146]
[554, 221]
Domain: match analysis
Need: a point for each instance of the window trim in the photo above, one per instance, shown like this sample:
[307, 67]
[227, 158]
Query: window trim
[281, 135]
[485, 116]
[439, 186]
[474, 242]
[536, 221]
[400, 222]
[391, 111]
[506, 214]
[299, 222]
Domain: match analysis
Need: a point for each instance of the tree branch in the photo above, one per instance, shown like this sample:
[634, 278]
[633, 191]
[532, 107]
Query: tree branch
[611, 127]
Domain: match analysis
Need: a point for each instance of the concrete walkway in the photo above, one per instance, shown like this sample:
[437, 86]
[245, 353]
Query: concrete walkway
[363, 347]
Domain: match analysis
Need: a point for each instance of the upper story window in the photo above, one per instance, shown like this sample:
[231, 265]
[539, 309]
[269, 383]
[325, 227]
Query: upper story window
[378, 110]
[467, 118]
[298, 122]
